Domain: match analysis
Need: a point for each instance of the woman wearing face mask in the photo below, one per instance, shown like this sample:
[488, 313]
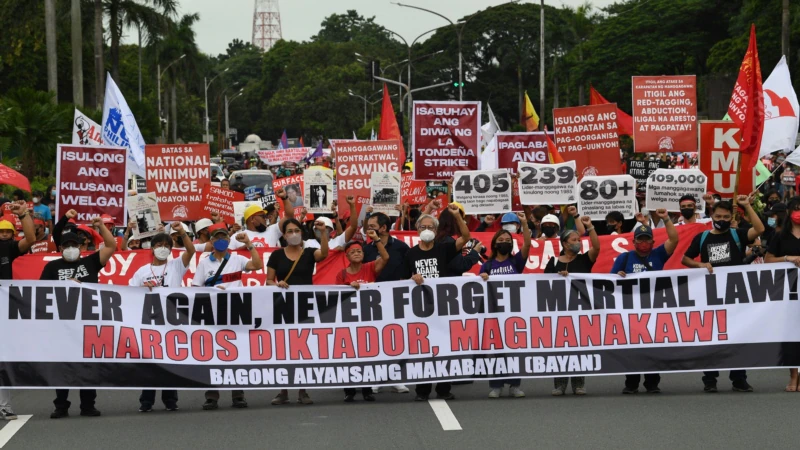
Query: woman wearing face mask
[503, 263]
[447, 231]
[550, 226]
[573, 261]
[774, 220]
[294, 265]
[169, 274]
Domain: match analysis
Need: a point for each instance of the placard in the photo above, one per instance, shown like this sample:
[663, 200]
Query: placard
[445, 138]
[665, 113]
[219, 200]
[279, 156]
[665, 187]
[483, 191]
[177, 174]
[588, 136]
[413, 192]
[92, 181]
[385, 192]
[640, 170]
[143, 208]
[547, 184]
[514, 148]
[598, 196]
[356, 160]
[318, 190]
[293, 185]
[719, 155]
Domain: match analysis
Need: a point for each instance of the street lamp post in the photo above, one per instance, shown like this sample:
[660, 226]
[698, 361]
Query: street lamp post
[227, 125]
[207, 84]
[160, 74]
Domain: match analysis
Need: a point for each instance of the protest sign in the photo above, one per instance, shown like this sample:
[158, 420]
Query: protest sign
[665, 187]
[143, 208]
[483, 191]
[294, 187]
[719, 155]
[177, 174]
[238, 212]
[413, 192]
[219, 200]
[356, 160]
[436, 189]
[253, 192]
[547, 184]
[318, 190]
[588, 136]
[665, 113]
[513, 148]
[598, 196]
[385, 192]
[280, 156]
[91, 180]
[445, 138]
[640, 170]
[515, 326]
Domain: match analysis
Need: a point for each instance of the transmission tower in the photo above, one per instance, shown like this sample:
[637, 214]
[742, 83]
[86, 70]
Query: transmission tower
[266, 24]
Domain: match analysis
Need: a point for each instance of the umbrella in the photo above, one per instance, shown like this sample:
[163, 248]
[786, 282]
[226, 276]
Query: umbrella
[14, 178]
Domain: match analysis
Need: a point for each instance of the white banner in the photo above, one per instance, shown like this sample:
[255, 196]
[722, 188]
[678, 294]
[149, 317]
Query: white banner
[85, 131]
[665, 187]
[143, 208]
[547, 184]
[483, 191]
[318, 195]
[598, 196]
[385, 192]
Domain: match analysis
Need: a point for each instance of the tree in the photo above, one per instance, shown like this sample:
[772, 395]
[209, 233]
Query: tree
[76, 39]
[52, 54]
[99, 67]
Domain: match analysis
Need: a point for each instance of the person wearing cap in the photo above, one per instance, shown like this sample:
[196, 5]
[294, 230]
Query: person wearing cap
[175, 234]
[11, 249]
[161, 272]
[108, 222]
[260, 232]
[339, 240]
[645, 258]
[223, 269]
[550, 226]
[201, 230]
[44, 243]
[71, 266]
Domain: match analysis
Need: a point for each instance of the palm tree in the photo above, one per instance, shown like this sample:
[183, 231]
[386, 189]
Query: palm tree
[77, 53]
[99, 67]
[50, 37]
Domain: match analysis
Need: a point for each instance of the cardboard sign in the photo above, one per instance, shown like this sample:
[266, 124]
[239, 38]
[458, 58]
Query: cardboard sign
[641, 170]
[91, 180]
[413, 192]
[665, 114]
[219, 200]
[588, 136]
[318, 190]
[547, 184]
[294, 187]
[280, 156]
[666, 187]
[483, 191]
[177, 174]
[445, 138]
[357, 160]
[143, 208]
[514, 148]
[385, 188]
[719, 155]
[598, 196]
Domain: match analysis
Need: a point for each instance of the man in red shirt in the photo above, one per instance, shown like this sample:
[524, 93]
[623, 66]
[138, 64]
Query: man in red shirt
[44, 243]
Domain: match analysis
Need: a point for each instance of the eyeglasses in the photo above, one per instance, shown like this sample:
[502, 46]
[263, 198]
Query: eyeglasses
[426, 227]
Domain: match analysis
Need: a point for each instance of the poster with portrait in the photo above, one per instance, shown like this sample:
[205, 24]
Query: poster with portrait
[318, 195]
[143, 209]
[385, 192]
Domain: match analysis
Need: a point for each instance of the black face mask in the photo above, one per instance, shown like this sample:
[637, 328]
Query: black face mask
[722, 225]
[503, 248]
[611, 228]
[772, 201]
[549, 231]
[687, 213]
[261, 228]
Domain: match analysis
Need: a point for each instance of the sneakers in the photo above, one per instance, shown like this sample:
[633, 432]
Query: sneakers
[376, 389]
[145, 408]
[280, 399]
[630, 390]
[210, 404]
[655, 390]
[579, 391]
[421, 398]
[93, 412]
[495, 393]
[399, 389]
[7, 413]
[516, 392]
[304, 399]
[59, 413]
[349, 398]
[239, 403]
[742, 386]
[557, 392]
[448, 396]
[171, 407]
[710, 388]
[369, 398]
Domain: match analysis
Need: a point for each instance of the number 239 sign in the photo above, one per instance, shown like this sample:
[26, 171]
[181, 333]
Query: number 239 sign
[598, 196]
[483, 191]
[547, 184]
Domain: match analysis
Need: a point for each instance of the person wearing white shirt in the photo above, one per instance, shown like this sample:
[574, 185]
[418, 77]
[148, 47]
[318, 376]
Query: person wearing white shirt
[258, 230]
[167, 273]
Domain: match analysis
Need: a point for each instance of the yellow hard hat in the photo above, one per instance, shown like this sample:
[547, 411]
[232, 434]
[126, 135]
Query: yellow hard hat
[252, 209]
[6, 225]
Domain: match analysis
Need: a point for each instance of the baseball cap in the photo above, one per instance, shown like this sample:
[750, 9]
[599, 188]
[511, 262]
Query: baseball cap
[202, 224]
[6, 225]
[643, 230]
[218, 228]
[776, 209]
[328, 223]
[550, 218]
[252, 209]
[68, 237]
[107, 219]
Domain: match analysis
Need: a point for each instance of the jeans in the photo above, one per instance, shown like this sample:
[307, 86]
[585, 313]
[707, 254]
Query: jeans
[561, 382]
[424, 390]
[87, 399]
[364, 391]
[498, 384]
[214, 395]
[5, 398]
[168, 397]
[651, 381]
[735, 375]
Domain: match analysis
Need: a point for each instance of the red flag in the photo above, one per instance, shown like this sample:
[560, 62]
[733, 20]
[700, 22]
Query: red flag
[12, 177]
[389, 128]
[301, 142]
[552, 151]
[624, 121]
[746, 109]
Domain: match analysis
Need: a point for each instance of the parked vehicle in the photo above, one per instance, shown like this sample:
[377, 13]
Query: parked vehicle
[260, 179]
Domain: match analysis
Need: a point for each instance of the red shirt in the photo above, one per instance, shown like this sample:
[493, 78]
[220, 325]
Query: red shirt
[44, 246]
[365, 275]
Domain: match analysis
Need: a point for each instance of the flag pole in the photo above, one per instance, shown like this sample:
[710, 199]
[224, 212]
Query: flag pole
[736, 185]
[771, 173]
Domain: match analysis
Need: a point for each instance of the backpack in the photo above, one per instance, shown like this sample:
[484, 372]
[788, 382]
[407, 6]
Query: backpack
[733, 233]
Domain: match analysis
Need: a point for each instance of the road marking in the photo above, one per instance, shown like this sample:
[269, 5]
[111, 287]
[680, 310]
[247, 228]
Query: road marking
[446, 417]
[11, 428]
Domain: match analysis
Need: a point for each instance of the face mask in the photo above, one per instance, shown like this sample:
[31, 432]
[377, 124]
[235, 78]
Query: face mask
[611, 228]
[295, 239]
[221, 245]
[53, 193]
[503, 248]
[261, 228]
[36, 199]
[795, 217]
[510, 227]
[161, 253]
[772, 201]
[549, 231]
[687, 213]
[643, 247]
[771, 221]
[574, 248]
[146, 245]
[71, 254]
[427, 236]
[722, 225]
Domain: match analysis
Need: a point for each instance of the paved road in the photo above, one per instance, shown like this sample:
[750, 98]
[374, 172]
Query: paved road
[682, 417]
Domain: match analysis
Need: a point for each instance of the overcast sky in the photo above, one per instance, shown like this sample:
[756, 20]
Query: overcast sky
[221, 21]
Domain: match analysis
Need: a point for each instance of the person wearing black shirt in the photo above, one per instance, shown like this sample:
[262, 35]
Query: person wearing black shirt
[430, 259]
[720, 248]
[83, 270]
[573, 261]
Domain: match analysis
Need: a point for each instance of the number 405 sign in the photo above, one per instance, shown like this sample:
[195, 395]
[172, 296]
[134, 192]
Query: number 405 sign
[483, 191]
[598, 196]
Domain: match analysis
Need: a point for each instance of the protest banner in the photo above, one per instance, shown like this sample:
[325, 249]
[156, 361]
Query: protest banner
[665, 187]
[718, 155]
[483, 191]
[547, 184]
[92, 181]
[598, 196]
[356, 160]
[641, 170]
[143, 208]
[445, 138]
[318, 189]
[449, 329]
[177, 174]
[85, 131]
[280, 156]
[665, 113]
[588, 136]
[413, 192]
[385, 192]
[219, 200]
[513, 148]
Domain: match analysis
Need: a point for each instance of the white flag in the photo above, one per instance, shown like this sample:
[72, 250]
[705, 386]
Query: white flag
[85, 131]
[120, 129]
[794, 157]
[780, 111]
[489, 129]
[355, 138]
[488, 160]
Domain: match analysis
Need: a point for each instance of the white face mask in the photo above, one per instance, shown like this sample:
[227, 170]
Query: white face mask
[161, 253]
[71, 254]
[36, 199]
[510, 227]
[294, 239]
[427, 235]
[146, 245]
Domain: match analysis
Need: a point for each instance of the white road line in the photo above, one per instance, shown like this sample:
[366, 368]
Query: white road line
[446, 417]
[11, 428]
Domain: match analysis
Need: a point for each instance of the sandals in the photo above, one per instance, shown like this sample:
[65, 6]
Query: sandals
[791, 388]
